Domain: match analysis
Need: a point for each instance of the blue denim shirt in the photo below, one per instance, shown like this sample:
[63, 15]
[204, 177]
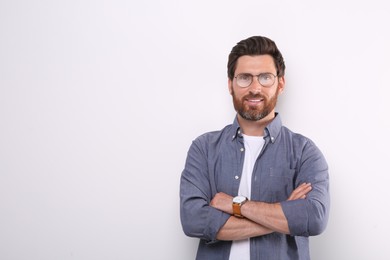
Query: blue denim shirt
[214, 164]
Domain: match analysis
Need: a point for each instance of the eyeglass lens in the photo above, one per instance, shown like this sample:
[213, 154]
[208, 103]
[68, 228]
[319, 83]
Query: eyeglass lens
[265, 79]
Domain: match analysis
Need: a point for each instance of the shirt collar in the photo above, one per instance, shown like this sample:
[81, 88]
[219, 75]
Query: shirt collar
[271, 131]
[236, 131]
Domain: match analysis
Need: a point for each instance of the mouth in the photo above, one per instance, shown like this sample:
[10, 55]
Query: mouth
[254, 101]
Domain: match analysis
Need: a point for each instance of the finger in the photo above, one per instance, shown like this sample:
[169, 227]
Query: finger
[303, 189]
[300, 191]
[303, 186]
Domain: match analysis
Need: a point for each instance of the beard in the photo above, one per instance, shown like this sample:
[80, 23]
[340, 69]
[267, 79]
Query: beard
[254, 113]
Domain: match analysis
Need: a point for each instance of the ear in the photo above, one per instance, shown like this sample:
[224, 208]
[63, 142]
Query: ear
[281, 84]
[230, 86]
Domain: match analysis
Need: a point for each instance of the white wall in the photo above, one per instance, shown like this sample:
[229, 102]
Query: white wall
[100, 100]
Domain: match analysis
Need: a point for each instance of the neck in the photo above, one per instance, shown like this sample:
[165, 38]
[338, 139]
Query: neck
[255, 128]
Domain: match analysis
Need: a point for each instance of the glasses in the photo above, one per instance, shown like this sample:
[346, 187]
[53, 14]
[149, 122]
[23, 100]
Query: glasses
[244, 80]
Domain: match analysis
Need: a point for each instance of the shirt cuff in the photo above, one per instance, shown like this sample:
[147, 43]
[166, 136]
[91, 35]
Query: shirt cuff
[216, 219]
[297, 217]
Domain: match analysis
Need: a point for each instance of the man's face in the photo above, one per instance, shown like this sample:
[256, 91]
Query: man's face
[255, 102]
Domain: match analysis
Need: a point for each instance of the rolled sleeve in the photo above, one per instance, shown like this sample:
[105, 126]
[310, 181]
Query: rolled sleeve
[309, 217]
[198, 219]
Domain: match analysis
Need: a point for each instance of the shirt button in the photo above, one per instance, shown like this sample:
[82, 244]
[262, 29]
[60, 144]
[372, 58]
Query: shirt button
[242, 149]
[236, 177]
[272, 138]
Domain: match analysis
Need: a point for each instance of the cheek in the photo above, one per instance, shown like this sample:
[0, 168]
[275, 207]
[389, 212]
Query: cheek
[274, 93]
[239, 92]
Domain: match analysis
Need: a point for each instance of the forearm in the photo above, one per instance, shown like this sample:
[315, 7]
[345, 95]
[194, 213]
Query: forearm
[267, 215]
[241, 228]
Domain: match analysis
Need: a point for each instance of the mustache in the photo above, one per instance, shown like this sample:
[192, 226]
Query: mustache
[254, 96]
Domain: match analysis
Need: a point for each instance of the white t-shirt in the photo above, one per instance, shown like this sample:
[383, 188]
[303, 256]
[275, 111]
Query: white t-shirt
[253, 144]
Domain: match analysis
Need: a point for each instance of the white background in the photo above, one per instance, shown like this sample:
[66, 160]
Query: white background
[100, 100]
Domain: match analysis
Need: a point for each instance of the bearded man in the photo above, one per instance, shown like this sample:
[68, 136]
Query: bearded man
[255, 189]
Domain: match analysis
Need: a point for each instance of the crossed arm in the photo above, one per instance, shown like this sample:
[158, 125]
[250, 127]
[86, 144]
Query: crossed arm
[260, 218]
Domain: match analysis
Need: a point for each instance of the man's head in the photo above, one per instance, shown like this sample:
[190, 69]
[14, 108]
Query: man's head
[256, 77]
[256, 45]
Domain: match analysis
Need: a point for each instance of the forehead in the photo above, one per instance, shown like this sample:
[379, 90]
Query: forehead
[255, 64]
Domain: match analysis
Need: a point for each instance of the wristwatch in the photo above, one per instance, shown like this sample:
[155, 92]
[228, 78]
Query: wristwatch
[238, 201]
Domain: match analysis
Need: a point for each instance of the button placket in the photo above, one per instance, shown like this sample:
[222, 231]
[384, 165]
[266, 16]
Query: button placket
[237, 177]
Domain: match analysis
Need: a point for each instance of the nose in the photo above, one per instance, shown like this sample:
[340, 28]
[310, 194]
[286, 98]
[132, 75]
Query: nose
[255, 86]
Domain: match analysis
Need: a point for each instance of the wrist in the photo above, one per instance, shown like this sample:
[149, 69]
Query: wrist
[238, 202]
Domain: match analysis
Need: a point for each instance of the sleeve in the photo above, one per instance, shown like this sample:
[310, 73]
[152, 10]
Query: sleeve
[198, 219]
[309, 217]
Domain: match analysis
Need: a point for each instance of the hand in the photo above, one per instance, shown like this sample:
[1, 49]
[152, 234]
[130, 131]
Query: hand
[223, 202]
[300, 192]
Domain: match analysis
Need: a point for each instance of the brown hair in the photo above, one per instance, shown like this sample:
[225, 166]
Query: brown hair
[255, 45]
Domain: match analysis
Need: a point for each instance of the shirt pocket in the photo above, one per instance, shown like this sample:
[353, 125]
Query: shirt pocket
[279, 183]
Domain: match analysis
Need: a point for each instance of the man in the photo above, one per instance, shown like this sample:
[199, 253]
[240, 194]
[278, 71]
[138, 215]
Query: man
[255, 189]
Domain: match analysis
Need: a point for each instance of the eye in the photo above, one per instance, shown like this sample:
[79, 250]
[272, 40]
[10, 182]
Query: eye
[266, 76]
[244, 76]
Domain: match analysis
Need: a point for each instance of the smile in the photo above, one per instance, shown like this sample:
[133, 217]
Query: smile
[254, 101]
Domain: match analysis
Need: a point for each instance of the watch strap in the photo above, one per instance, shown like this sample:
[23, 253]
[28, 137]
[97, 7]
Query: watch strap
[237, 209]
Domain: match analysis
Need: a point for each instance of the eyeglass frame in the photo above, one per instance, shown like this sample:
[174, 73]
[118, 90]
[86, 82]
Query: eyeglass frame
[258, 79]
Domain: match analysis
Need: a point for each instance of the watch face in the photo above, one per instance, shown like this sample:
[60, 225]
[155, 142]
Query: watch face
[239, 199]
